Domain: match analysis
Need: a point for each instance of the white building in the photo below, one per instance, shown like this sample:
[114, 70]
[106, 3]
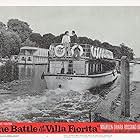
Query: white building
[33, 55]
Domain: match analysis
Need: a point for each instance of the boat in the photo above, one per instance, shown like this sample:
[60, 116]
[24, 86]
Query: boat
[83, 67]
[33, 55]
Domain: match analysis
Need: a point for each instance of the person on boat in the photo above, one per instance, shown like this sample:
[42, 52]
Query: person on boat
[66, 42]
[62, 70]
[51, 50]
[74, 38]
[74, 73]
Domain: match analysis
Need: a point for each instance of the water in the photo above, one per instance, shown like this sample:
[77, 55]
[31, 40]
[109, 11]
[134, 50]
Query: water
[135, 68]
[33, 73]
[30, 100]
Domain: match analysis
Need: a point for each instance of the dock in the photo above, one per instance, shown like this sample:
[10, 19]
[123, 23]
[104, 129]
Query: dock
[121, 103]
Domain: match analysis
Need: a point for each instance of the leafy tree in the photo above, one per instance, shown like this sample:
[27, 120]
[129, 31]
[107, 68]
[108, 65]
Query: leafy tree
[2, 26]
[20, 27]
[2, 30]
[11, 43]
[37, 38]
[117, 52]
[96, 43]
[83, 40]
[28, 42]
[47, 40]
[126, 51]
[58, 39]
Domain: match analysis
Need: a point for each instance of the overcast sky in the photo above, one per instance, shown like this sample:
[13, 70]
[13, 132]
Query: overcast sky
[112, 24]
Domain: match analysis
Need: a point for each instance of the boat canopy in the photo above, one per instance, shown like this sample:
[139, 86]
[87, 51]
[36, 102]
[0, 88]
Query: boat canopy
[28, 48]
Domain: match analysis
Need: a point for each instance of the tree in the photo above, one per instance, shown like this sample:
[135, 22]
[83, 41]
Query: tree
[47, 40]
[117, 52]
[11, 43]
[37, 38]
[58, 39]
[28, 42]
[20, 27]
[83, 40]
[2, 26]
[97, 43]
[126, 51]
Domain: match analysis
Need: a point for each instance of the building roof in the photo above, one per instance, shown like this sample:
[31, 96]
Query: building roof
[28, 48]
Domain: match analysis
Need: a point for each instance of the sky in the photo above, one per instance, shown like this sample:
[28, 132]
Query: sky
[115, 25]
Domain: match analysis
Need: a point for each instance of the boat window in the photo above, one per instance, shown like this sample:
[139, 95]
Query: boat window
[29, 52]
[22, 52]
[23, 59]
[29, 59]
[79, 67]
[70, 67]
[86, 50]
[58, 67]
[94, 68]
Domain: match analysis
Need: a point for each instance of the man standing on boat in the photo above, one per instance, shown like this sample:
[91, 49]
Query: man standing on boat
[74, 38]
[66, 42]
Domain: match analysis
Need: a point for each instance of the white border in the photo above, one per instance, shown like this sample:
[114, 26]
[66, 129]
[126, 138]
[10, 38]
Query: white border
[69, 3]
[70, 137]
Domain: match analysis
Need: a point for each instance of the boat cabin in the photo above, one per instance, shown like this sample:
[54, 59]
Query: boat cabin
[33, 55]
[82, 59]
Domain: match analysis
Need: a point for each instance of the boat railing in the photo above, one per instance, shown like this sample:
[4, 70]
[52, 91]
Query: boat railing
[86, 48]
[75, 50]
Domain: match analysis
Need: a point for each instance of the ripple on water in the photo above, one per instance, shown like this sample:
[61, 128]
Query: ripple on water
[51, 105]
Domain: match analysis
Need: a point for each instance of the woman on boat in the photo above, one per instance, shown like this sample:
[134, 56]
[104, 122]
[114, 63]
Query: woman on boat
[66, 42]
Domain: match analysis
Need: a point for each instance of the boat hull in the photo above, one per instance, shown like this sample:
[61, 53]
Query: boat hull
[79, 82]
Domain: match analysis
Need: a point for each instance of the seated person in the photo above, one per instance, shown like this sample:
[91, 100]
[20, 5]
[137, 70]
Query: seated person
[74, 72]
[62, 71]
[69, 71]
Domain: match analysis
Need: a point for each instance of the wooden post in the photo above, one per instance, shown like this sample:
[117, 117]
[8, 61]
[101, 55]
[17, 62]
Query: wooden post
[90, 117]
[125, 97]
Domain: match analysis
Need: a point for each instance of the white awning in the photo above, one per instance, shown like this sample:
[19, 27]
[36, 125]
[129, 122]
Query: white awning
[28, 48]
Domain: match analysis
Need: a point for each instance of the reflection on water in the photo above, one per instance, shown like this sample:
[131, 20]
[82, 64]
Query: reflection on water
[10, 72]
[33, 73]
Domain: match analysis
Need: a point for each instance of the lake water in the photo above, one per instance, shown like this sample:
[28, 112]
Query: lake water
[31, 101]
[33, 73]
[135, 72]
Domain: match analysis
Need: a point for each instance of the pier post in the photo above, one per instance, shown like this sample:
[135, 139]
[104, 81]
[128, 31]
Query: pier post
[90, 116]
[125, 97]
